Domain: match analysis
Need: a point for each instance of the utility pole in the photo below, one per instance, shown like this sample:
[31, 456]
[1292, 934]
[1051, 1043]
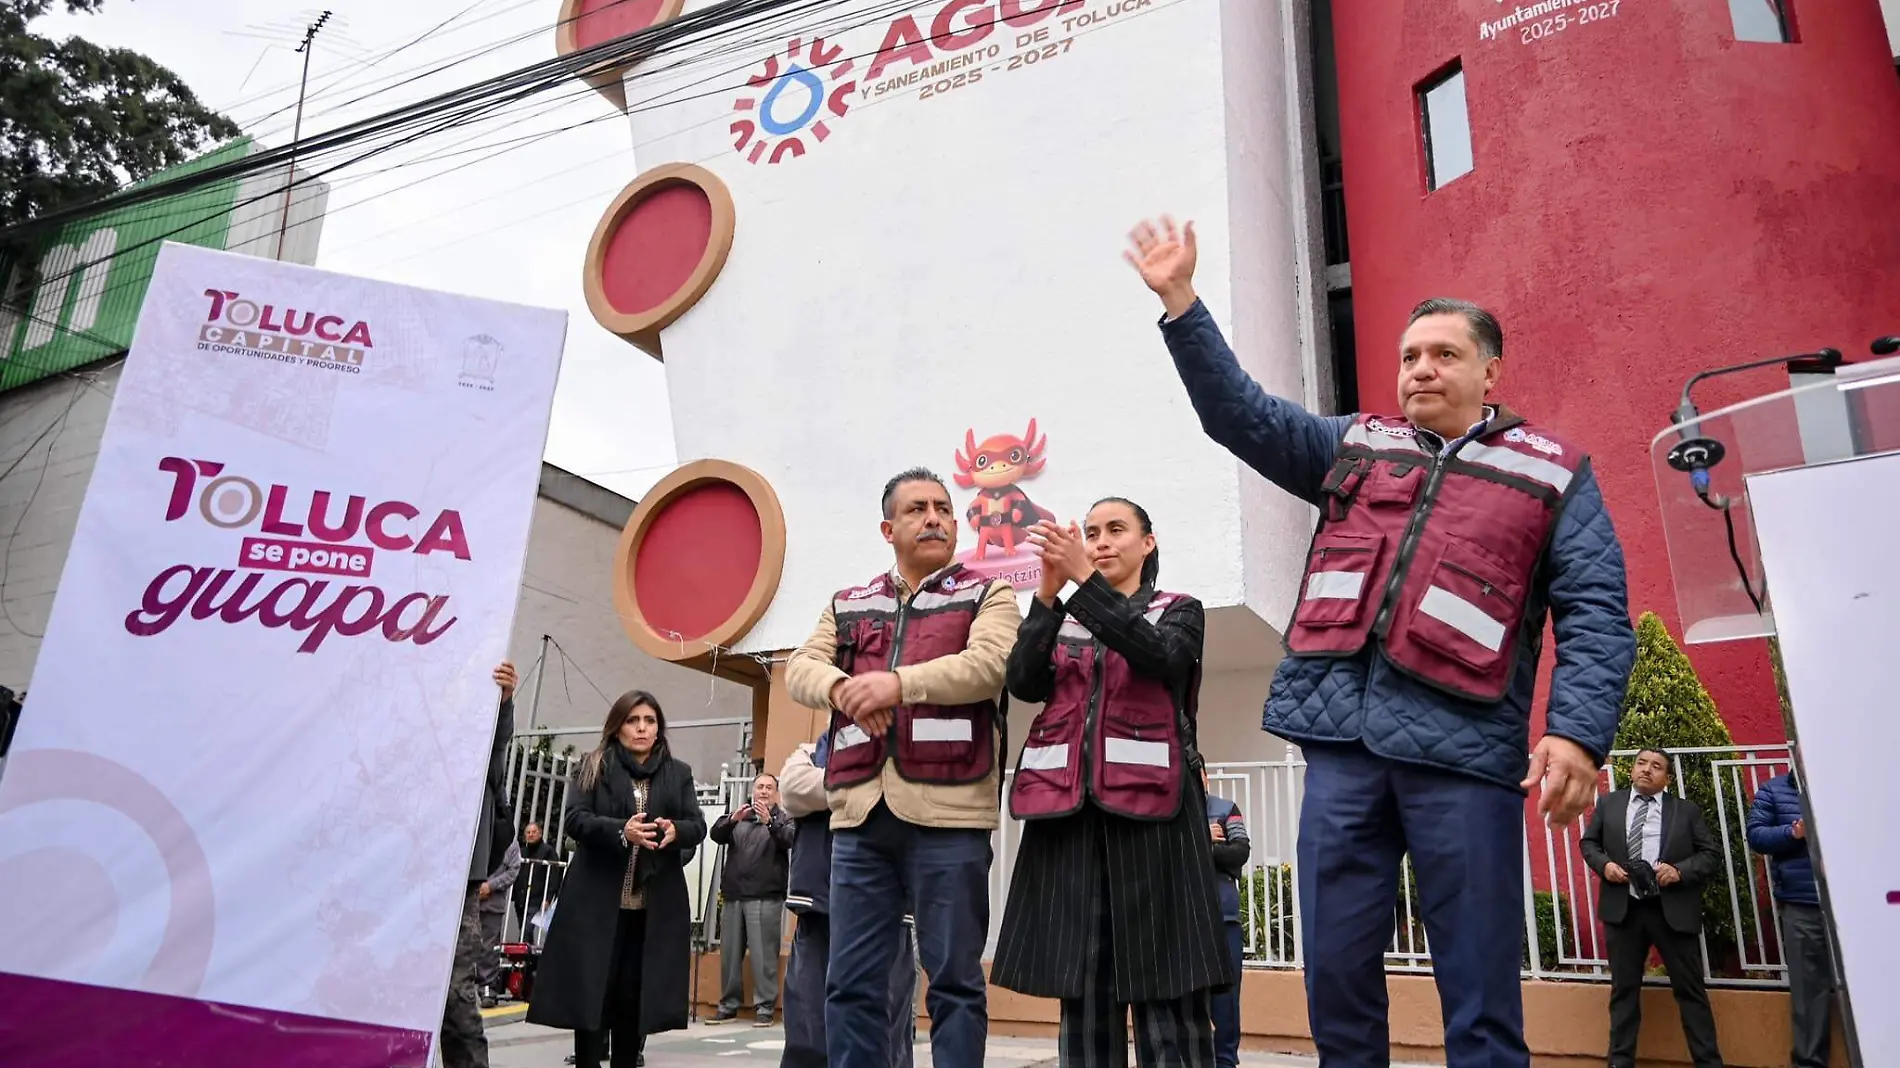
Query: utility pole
[290, 172]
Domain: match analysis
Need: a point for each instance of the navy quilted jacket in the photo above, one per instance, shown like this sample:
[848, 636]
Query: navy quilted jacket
[1771, 833]
[1364, 699]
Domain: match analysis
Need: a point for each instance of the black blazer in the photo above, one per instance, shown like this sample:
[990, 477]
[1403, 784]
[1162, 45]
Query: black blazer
[1686, 844]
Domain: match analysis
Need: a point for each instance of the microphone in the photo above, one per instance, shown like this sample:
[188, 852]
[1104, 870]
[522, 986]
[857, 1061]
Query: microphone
[1694, 455]
[1885, 346]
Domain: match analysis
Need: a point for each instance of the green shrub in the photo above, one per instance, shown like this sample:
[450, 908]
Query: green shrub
[1267, 907]
[1548, 906]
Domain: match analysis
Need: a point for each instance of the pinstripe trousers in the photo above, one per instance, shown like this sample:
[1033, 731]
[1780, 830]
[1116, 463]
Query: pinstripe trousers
[1172, 1033]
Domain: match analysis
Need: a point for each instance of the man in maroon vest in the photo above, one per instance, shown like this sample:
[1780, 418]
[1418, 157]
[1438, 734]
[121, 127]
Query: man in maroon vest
[1447, 536]
[910, 667]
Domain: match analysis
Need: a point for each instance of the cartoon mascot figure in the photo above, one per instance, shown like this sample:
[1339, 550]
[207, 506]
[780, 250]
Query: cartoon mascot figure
[1002, 513]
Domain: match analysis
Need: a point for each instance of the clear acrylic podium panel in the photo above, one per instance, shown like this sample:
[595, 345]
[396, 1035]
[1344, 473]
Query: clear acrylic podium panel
[1829, 418]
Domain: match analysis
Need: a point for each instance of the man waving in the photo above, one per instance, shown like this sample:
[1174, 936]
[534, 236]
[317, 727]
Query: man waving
[1447, 534]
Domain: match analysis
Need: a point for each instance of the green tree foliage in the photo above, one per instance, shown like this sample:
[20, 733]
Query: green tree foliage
[1667, 708]
[78, 121]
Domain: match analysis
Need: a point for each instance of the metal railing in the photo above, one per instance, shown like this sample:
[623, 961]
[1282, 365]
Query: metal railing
[1562, 932]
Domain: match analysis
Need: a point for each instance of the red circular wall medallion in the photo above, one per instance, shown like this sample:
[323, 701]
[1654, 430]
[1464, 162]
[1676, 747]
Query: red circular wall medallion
[585, 23]
[657, 250]
[700, 560]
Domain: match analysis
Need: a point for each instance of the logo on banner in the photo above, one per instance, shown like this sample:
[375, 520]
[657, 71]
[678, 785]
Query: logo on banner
[297, 534]
[239, 325]
[789, 102]
[801, 96]
[481, 359]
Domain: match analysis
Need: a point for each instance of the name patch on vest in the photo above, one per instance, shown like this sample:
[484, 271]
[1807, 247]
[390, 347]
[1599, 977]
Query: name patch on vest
[849, 735]
[1130, 751]
[1046, 758]
[940, 729]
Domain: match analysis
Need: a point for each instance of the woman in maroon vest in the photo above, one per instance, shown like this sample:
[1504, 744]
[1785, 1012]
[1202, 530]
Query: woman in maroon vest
[1113, 901]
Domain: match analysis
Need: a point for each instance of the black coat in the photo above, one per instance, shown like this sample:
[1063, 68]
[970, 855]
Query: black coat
[571, 981]
[1686, 844]
[1156, 881]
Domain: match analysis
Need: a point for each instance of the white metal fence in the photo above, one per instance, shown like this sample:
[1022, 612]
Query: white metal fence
[1563, 937]
[1562, 934]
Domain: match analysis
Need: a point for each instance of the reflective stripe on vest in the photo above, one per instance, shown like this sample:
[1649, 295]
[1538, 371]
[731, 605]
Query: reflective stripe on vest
[941, 744]
[1433, 557]
[1102, 715]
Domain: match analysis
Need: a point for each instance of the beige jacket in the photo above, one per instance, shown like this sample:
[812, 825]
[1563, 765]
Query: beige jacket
[974, 674]
[801, 784]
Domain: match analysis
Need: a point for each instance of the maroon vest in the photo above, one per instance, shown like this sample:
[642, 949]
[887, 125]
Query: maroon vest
[1433, 557]
[1122, 726]
[941, 744]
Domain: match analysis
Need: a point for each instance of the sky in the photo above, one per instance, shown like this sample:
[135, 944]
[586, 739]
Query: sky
[512, 227]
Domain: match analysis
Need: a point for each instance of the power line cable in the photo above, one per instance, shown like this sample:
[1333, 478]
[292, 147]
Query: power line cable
[651, 103]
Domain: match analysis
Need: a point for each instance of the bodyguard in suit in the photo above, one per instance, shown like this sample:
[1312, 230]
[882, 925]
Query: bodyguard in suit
[1655, 854]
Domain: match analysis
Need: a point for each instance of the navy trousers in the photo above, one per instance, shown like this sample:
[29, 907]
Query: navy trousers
[1362, 814]
[1226, 1004]
[804, 994]
[879, 871]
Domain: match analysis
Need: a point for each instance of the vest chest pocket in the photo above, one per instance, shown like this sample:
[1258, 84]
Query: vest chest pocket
[869, 645]
[1338, 579]
[1393, 485]
[1471, 610]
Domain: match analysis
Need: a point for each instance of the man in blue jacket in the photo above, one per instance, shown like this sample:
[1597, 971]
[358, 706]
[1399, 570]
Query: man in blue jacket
[1447, 535]
[1231, 850]
[1778, 829]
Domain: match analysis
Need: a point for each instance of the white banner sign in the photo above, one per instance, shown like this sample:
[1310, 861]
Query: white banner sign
[1827, 539]
[245, 783]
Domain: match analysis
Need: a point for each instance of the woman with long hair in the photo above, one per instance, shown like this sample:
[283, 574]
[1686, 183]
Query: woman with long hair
[619, 948]
[1113, 902]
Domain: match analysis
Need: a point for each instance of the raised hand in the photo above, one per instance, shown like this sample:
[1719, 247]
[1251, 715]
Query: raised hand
[1062, 551]
[1165, 258]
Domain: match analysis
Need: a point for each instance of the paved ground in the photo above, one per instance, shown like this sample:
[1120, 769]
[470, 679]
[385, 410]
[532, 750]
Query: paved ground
[515, 1044]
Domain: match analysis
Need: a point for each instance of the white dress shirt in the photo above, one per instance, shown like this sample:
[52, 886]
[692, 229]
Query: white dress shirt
[1652, 831]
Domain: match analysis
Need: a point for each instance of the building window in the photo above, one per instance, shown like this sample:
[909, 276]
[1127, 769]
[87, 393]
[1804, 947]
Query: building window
[1447, 126]
[1760, 20]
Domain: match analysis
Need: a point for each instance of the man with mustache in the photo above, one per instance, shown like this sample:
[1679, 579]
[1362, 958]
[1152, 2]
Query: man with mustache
[1446, 537]
[910, 667]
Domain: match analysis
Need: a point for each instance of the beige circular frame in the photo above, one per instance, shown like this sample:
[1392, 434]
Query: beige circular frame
[693, 476]
[643, 329]
[607, 80]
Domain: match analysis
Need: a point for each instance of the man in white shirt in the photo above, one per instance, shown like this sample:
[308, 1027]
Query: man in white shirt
[1655, 854]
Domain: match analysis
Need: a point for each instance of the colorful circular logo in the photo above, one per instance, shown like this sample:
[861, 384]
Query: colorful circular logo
[793, 97]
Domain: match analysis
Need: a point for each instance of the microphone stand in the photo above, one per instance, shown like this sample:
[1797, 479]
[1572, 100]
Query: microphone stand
[1695, 455]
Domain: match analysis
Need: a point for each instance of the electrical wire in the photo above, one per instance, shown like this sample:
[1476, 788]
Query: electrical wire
[866, 17]
[667, 98]
[720, 18]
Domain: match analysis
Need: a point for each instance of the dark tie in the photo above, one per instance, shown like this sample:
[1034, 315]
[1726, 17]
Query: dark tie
[1641, 830]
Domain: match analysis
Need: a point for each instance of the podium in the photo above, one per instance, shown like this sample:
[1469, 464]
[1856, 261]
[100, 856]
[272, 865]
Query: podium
[1782, 516]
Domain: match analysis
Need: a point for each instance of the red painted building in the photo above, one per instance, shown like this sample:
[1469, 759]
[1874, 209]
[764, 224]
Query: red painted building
[1641, 189]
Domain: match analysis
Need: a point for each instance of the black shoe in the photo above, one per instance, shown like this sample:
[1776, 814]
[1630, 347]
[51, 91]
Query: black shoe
[570, 1059]
[642, 1062]
[764, 1019]
[488, 1001]
[722, 1016]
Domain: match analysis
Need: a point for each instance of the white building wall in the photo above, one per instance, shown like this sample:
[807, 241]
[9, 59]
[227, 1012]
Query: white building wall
[49, 437]
[948, 259]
